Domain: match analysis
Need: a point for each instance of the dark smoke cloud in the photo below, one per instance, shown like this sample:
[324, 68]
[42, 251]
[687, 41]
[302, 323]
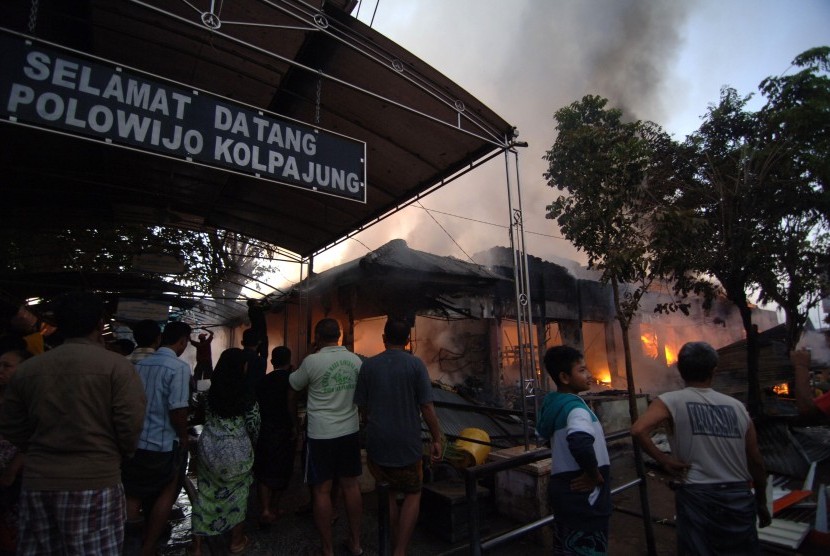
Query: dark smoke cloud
[526, 59]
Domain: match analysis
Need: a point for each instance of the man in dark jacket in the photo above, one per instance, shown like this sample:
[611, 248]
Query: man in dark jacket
[75, 412]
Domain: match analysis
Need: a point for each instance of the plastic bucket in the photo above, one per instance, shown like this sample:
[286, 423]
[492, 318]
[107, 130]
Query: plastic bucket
[479, 452]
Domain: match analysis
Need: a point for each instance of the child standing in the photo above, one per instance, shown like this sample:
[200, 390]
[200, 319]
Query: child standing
[579, 491]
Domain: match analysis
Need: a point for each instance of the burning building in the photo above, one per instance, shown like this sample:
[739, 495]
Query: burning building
[464, 318]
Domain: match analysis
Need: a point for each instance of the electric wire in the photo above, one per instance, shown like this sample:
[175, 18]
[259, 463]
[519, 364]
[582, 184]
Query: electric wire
[489, 223]
[374, 13]
[363, 244]
[418, 203]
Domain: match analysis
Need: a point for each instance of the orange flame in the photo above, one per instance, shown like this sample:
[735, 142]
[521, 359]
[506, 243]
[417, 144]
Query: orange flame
[671, 356]
[782, 389]
[649, 344]
[603, 375]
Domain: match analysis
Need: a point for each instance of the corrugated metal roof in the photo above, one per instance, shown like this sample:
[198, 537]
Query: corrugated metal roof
[782, 452]
[815, 441]
[504, 431]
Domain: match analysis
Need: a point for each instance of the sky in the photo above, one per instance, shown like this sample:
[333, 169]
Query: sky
[658, 60]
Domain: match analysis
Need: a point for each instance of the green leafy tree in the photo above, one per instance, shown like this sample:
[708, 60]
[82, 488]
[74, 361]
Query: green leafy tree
[715, 226]
[613, 173]
[751, 212]
[216, 262]
[796, 133]
[751, 208]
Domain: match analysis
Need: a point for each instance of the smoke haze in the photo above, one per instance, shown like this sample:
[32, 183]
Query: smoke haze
[536, 58]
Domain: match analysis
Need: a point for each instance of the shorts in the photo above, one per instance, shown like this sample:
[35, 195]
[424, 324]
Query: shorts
[72, 522]
[407, 479]
[328, 458]
[147, 472]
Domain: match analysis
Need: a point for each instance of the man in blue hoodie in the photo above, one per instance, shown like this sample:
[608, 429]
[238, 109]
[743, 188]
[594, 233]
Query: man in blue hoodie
[579, 490]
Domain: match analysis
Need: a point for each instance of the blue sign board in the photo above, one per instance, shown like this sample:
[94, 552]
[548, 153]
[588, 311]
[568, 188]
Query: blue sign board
[45, 86]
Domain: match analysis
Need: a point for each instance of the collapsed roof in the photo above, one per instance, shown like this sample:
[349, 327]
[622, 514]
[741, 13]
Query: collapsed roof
[397, 279]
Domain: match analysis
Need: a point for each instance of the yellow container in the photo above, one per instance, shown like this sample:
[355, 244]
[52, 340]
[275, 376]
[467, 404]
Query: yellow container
[479, 452]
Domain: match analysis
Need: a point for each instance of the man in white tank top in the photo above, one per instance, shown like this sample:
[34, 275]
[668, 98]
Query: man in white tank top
[715, 455]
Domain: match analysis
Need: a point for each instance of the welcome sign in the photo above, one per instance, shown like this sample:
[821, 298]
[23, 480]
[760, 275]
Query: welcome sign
[45, 86]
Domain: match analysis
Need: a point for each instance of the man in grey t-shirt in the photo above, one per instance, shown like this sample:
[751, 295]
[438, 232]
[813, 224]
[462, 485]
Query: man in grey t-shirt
[393, 392]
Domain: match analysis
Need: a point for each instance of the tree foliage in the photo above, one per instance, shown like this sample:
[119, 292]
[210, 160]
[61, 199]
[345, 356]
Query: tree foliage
[796, 131]
[751, 207]
[215, 262]
[612, 172]
[740, 206]
[716, 225]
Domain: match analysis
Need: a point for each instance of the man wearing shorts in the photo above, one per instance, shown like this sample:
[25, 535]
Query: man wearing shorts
[151, 478]
[75, 411]
[393, 392]
[330, 375]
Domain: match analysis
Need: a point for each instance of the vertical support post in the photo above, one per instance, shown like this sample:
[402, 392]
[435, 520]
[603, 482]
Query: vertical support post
[308, 334]
[285, 327]
[528, 369]
[521, 298]
[302, 351]
[383, 518]
[531, 349]
[474, 527]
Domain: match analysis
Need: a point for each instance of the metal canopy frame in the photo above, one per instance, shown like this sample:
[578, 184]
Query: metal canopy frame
[421, 129]
[314, 64]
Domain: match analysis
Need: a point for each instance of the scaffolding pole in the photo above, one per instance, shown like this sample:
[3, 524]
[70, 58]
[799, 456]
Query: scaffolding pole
[524, 319]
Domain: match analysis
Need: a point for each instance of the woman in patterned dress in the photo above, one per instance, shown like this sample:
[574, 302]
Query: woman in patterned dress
[225, 455]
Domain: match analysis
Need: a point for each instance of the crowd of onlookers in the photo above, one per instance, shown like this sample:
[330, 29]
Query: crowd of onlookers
[95, 438]
[94, 442]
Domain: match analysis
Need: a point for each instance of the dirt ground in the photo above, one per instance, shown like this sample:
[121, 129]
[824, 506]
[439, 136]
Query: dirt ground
[295, 534]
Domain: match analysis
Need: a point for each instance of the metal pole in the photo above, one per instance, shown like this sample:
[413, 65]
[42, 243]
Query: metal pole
[300, 313]
[517, 286]
[529, 306]
[308, 335]
[383, 519]
[471, 480]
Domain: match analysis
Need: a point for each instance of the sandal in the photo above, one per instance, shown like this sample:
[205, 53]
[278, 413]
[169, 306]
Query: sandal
[241, 547]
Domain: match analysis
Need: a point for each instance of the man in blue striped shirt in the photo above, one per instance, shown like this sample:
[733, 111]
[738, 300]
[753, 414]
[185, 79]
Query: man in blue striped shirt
[151, 477]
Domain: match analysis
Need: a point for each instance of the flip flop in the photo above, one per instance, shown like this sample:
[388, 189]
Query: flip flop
[241, 548]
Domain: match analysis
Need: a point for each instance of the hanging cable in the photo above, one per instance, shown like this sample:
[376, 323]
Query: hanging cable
[363, 244]
[446, 232]
[374, 12]
[33, 17]
[488, 223]
[319, 95]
